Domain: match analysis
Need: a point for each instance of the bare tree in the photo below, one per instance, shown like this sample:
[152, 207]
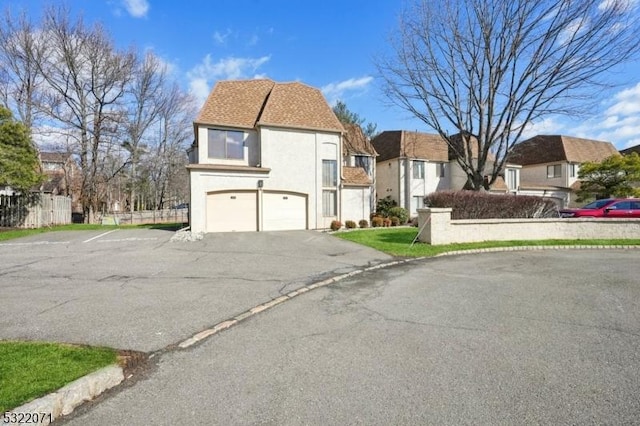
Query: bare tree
[21, 49]
[145, 103]
[86, 79]
[486, 69]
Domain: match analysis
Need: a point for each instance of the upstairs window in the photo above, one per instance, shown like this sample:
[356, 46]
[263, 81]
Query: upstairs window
[329, 173]
[418, 169]
[442, 169]
[226, 144]
[573, 170]
[554, 171]
[512, 179]
[364, 162]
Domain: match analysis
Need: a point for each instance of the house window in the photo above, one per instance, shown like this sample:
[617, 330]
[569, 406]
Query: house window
[573, 170]
[364, 162]
[512, 179]
[418, 169]
[329, 183]
[417, 202]
[441, 169]
[226, 144]
[554, 171]
[329, 207]
[329, 173]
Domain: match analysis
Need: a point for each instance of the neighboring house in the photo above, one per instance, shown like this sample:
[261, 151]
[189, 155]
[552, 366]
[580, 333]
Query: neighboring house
[627, 151]
[411, 165]
[550, 164]
[266, 156]
[358, 175]
[62, 177]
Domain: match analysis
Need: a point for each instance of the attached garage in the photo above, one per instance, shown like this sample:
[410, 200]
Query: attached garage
[238, 211]
[283, 211]
[232, 211]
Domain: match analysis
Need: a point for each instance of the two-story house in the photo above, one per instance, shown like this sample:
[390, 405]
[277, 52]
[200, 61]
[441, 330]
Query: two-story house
[412, 165]
[266, 156]
[550, 164]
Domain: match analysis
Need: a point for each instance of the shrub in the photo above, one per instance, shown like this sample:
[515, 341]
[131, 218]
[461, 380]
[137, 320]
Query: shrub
[484, 205]
[395, 221]
[363, 223]
[377, 222]
[384, 205]
[401, 213]
[386, 222]
[350, 224]
[335, 225]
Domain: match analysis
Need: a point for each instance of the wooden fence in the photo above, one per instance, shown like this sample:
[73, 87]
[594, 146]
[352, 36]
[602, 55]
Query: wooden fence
[19, 212]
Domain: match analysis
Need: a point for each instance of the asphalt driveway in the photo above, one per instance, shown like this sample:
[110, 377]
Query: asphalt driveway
[134, 289]
[545, 337]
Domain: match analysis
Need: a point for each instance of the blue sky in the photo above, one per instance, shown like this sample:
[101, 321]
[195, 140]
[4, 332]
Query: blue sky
[327, 44]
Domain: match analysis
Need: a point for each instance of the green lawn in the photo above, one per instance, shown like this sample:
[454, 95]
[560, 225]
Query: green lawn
[397, 242]
[19, 233]
[29, 370]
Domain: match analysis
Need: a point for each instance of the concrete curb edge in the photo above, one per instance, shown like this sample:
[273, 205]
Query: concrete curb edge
[63, 401]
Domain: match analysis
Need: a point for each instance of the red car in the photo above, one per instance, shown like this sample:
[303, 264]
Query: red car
[609, 207]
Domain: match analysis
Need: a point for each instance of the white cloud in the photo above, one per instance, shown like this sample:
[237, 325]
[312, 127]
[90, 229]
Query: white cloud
[230, 68]
[136, 8]
[335, 91]
[548, 126]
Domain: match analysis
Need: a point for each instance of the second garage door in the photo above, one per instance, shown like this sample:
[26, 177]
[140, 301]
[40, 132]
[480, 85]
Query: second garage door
[232, 211]
[284, 211]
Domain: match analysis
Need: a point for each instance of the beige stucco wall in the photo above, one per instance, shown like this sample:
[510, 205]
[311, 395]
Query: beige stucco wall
[295, 159]
[437, 228]
[356, 203]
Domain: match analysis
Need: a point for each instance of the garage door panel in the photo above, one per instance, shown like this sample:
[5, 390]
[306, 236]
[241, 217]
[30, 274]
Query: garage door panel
[232, 211]
[284, 211]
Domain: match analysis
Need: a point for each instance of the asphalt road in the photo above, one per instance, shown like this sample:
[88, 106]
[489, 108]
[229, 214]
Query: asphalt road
[545, 337]
[133, 289]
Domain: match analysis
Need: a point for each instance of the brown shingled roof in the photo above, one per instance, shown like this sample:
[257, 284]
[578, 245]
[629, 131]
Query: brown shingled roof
[355, 176]
[630, 150]
[235, 103]
[300, 106]
[553, 148]
[248, 103]
[355, 142]
[400, 143]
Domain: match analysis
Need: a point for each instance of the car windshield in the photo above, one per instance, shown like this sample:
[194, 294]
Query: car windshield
[597, 204]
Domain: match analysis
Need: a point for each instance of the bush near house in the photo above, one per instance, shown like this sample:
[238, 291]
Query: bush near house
[483, 205]
[377, 222]
[350, 224]
[363, 223]
[335, 225]
[395, 221]
[399, 212]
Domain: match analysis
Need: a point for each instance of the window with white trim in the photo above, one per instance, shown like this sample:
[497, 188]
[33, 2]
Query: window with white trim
[442, 167]
[554, 171]
[329, 187]
[225, 144]
[417, 202]
[418, 169]
[573, 170]
[512, 179]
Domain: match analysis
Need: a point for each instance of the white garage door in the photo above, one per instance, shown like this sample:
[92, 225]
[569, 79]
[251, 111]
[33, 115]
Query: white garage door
[284, 211]
[232, 211]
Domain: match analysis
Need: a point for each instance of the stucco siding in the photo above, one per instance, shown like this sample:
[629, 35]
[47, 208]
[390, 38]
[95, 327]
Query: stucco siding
[387, 181]
[356, 203]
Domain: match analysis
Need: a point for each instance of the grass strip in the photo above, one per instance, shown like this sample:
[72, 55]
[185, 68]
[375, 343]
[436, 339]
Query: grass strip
[397, 242]
[29, 370]
[10, 234]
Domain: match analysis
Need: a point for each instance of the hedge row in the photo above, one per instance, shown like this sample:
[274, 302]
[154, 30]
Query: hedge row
[484, 205]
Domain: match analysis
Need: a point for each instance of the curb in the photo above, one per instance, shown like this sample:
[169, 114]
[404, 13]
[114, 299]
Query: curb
[48, 408]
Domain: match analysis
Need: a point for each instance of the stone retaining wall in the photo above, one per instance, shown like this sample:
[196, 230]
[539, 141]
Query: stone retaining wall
[437, 228]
